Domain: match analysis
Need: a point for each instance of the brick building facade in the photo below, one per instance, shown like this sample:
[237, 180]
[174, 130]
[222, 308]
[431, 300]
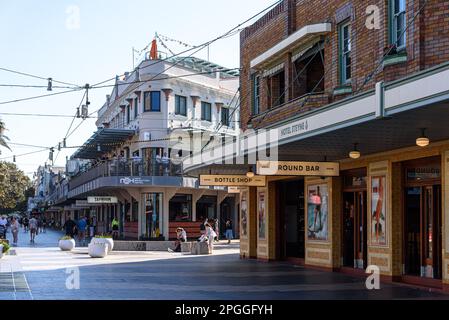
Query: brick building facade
[331, 77]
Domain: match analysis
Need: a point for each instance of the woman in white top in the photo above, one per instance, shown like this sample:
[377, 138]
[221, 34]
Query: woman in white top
[210, 233]
[15, 230]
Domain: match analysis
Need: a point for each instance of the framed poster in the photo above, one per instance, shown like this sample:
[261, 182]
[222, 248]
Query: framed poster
[378, 211]
[317, 212]
[244, 215]
[262, 215]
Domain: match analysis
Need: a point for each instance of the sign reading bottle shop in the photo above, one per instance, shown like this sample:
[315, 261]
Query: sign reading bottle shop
[285, 168]
[102, 200]
[232, 181]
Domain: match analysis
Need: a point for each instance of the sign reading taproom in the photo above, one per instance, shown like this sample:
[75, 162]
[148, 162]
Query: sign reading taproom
[286, 168]
[104, 200]
[232, 181]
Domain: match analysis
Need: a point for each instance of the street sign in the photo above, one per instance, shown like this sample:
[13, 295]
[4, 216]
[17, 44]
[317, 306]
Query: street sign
[232, 181]
[286, 168]
[102, 200]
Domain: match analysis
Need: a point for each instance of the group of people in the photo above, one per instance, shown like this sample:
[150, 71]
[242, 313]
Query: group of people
[82, 228]
[209, 233]
[34, 224]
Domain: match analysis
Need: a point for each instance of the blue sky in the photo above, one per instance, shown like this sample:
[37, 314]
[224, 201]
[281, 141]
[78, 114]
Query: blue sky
[43, 38]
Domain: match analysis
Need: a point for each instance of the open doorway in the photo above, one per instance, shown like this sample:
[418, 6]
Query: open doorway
[291, 218]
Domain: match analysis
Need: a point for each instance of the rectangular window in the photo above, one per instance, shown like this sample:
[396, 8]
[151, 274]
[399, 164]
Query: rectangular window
[256, 95]
[225, 116]
[345, 52]
[136, 107]
[128, 114]
[152, 101]
[397, 23]
[206, 111]
[181, 105]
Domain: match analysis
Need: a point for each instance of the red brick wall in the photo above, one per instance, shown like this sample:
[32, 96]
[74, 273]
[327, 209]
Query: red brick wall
[427, 44]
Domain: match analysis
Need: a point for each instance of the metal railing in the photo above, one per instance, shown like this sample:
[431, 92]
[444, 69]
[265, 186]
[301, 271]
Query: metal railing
[128, 168]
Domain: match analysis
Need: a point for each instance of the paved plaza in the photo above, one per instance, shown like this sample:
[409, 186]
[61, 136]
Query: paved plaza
[41, 272]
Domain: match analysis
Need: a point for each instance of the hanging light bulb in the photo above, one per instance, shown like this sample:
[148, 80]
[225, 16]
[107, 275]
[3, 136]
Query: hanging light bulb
[422, 141]
[13, 158]
[98, 147]
[250, 173]
[50, 84]
[354, 154]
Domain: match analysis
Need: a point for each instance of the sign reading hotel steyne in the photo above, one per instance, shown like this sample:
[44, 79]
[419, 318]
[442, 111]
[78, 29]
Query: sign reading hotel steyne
[232, 181]
[285, 168]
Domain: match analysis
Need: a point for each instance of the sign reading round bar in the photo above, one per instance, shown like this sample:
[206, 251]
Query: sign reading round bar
[232, 181]
[104, 200]
[287, 168]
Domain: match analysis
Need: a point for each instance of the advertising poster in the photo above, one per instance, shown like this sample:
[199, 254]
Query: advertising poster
[244, 215]
[317, 212]
[378, 210]
[262, 216]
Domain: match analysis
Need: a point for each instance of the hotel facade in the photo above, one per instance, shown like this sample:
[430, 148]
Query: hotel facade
[358, 94]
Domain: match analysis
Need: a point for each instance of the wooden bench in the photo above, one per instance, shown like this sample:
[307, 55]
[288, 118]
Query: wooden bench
[192, 229]
[131, 230]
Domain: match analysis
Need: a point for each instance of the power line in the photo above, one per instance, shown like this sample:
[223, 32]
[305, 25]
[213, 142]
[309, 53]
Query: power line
[36, 77]
[41, 96]
[203, 45]
[34, 86]
[37, 115]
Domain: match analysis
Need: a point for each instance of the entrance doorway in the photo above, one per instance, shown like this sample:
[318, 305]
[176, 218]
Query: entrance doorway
[422, 219]
[291, 219]
[354, 219]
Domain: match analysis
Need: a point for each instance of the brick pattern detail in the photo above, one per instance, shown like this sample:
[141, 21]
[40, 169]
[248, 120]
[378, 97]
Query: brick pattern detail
[427, 44]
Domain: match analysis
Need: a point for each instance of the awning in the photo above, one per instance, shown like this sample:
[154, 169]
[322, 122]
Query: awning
[273, 70]
[103, 141]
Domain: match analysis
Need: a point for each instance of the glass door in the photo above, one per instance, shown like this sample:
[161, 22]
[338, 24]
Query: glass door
[423, 233]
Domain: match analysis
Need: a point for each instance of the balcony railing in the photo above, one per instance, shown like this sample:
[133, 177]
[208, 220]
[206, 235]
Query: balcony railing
[128, 168]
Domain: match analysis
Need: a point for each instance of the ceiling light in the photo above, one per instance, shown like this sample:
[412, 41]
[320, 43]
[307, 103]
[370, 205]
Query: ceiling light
[422, 141]
[354, 154]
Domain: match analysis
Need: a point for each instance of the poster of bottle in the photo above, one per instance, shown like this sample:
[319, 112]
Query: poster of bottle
[317, 212]
[244, 215]
[262, 215]
[378, 211]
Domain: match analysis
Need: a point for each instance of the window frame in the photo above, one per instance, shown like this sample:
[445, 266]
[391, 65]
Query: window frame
[128, 114]
[342, 54]
[225, 119]
[178, 110]
[256, 94]
[203, 113]
[393, 26]
[136, 108]
[150, 108]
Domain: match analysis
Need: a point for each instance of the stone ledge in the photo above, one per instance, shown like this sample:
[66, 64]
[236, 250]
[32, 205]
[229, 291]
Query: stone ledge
[142, 245]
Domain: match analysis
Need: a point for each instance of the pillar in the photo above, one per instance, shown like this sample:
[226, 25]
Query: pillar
[445, 218]
[322, 248]
[266, 222]
[380, 242]
[248, 223]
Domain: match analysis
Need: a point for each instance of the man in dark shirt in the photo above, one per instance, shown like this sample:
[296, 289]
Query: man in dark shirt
[69, 227]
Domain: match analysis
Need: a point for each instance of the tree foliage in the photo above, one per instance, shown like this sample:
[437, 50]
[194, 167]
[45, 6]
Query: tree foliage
[13, 184]
[3, 138]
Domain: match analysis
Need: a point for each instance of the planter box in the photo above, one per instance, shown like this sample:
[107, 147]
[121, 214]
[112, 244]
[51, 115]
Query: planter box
[199, 248]
[108, 241]
[67, 245]
[98, 250]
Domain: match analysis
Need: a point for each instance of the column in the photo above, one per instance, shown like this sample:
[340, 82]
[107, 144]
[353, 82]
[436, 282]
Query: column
[322, 222]
[380, 217]
[445, 218]
[266, 222]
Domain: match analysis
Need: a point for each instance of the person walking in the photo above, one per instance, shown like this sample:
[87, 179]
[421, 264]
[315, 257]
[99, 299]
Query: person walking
[210, 233]
[25, 224]
[15, 227]
[217, 230]
[33, 228]
[82, 224]
[44, 225]
[69, 227]
[229, 232]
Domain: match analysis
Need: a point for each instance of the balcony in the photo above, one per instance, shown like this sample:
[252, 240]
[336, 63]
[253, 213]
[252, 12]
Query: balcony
[303, 104]
[128, 168]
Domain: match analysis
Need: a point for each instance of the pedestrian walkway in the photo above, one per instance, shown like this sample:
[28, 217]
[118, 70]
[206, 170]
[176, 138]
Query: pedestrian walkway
[42, 272]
